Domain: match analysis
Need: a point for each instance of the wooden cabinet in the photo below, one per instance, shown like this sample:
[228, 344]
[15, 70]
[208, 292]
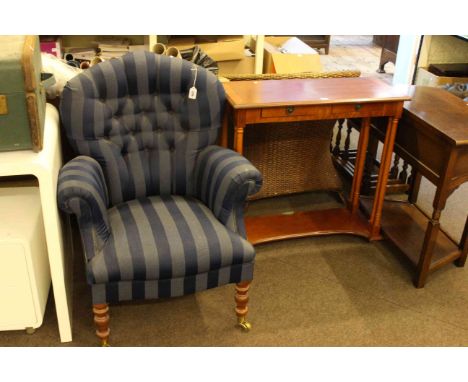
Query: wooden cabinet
[389, 46]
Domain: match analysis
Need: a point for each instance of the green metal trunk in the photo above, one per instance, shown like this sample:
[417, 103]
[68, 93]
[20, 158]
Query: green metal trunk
[22, 96]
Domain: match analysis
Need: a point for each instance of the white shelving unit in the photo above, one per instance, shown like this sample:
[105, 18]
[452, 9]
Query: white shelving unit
[45, 166]
[24, 264]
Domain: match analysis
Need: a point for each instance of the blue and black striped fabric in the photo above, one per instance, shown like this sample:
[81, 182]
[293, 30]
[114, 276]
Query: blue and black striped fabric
[82, 191]
[160, 208]
[168, 238]
[133, 116]
[223, 180]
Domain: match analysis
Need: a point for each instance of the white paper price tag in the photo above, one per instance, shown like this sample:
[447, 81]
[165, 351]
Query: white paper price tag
[192, 93]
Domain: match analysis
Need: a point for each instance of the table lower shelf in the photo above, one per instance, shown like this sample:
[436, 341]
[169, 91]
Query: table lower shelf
[267, 228]
[405, 226]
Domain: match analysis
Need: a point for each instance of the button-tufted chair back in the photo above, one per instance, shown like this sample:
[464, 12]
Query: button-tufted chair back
[133, 115]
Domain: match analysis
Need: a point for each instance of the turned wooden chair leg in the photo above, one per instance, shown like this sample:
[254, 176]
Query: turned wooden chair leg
[242, 298]
[101, 320]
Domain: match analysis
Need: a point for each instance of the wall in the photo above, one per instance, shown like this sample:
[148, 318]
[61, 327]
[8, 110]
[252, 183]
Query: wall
[442, 50]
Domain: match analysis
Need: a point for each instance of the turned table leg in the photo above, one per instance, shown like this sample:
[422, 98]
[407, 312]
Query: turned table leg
[385, 163]
[101, 320]
[359, 164]
[239, 126]
[425, 258]
[442, 193]
[242, 299]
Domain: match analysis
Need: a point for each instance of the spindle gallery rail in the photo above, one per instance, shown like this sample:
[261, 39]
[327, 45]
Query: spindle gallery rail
[344, 155]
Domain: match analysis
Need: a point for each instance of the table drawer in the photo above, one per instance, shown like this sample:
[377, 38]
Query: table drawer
[296, 111]
[374, 109]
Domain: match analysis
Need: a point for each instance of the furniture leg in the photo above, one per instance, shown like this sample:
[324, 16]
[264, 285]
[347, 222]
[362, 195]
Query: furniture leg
[101, 320]
[239, 126]
[444, 190]
[427, 250]
[327, 42]
[381, 67]
[242, 298]
[433, 226]
[414, 188]
[460, 262]
[385, 163]
[359, 165]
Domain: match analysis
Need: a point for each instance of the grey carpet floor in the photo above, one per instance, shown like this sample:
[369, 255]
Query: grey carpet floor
[322, 291]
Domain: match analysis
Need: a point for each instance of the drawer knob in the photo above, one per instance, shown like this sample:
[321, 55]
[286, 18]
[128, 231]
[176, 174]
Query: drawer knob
[290, 110]
[357, 107]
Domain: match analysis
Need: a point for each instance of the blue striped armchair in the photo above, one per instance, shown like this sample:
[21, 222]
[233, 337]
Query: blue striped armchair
[158, 204]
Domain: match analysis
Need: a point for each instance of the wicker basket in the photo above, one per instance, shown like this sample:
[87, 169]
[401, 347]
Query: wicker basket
[277, 76]
[293, 157]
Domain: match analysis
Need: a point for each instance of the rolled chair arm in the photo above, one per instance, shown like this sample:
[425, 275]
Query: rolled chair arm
[223, 181]
[82, 191]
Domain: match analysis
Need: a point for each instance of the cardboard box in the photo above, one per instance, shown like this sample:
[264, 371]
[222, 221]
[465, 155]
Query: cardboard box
[244, 66]
[275, 61]
[426, 78]
[225, 48]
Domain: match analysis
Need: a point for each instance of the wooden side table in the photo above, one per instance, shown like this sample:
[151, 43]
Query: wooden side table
[45, 166]
[433, 138]
[252, 102]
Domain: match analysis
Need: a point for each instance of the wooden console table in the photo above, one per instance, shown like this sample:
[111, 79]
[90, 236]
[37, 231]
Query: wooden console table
[433, 138]
[251, 102]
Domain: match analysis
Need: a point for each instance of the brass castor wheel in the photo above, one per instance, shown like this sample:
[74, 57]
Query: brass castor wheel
[105, 344]
[244, 325]
[30, 330]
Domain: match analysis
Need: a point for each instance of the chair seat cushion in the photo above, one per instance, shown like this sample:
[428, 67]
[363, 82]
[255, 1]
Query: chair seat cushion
[165, 237]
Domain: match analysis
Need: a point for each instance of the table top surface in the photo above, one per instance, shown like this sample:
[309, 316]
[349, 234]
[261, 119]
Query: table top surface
[444, 113]
[271, 93]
